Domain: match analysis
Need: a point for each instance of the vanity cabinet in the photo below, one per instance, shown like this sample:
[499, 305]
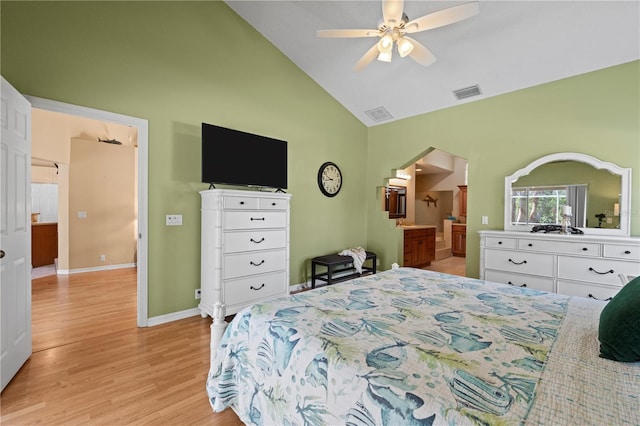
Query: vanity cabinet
[245, 249]
[459, 239]
[575, 265]
[419, 246]
[44, 244]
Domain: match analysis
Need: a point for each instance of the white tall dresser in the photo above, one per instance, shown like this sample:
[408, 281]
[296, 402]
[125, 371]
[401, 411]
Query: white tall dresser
[245, 250]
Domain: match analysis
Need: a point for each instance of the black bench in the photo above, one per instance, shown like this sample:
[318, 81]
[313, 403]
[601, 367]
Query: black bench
[337, 264]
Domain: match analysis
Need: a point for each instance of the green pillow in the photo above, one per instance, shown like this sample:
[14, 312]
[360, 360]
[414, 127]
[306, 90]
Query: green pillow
[619, 331]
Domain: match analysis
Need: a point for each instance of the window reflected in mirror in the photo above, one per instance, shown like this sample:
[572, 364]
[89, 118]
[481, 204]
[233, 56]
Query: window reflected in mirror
[543, 204]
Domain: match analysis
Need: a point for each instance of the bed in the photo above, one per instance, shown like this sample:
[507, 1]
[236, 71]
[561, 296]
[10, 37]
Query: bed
[415, 347]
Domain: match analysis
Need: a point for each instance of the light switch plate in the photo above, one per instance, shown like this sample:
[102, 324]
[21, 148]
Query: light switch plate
[174, 220]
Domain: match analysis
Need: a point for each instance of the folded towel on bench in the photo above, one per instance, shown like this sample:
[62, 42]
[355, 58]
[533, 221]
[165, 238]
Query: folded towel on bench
[358, 254]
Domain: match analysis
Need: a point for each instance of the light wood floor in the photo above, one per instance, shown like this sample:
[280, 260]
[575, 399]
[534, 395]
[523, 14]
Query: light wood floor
[451, 265]
[92, 365]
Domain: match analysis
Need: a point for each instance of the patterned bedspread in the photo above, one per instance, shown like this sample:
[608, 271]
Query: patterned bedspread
[402, 347]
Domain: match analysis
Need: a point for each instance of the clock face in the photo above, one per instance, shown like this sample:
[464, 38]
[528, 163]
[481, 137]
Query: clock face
[329, 179]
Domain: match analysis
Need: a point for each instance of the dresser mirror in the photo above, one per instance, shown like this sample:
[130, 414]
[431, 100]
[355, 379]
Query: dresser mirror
[597, 194]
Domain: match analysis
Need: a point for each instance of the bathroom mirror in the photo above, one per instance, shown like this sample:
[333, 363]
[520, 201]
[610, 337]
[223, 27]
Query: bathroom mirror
[597, 192]
[395, 201]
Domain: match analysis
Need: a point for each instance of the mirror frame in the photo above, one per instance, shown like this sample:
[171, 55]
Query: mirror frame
[625, 191]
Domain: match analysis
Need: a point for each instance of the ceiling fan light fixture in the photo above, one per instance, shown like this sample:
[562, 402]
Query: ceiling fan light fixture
[405, 47]
[384, 56]
[385, 44]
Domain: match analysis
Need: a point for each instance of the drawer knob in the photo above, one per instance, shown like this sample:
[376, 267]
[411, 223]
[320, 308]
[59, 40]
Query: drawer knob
[257, 218]
[610, 271]
[257, 288]
[591, 296]
[585, 249]
[273, 204]
[242, 203]
[530, 245]
[627, 252]
[523, 285]
[257, 264]
[518, 263]
[499, 242]
[257, 242]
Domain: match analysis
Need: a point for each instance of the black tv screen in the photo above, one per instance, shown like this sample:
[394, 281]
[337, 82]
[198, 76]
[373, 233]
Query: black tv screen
[233, 157]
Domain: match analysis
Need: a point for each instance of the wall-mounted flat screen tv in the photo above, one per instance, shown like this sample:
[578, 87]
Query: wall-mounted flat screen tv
[233, 157]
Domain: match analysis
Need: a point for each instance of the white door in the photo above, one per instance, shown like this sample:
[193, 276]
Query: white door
[15, 231]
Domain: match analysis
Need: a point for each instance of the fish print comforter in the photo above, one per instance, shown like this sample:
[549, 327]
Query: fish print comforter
[403, 347]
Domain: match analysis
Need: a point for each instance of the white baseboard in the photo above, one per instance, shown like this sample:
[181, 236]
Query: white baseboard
[188, 313]
[173, 316]
[95, 268]
[298, 287]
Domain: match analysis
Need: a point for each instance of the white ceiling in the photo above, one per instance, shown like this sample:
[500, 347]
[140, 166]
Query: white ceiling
[509, 46]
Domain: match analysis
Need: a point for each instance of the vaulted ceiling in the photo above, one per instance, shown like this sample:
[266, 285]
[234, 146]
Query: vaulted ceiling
[508, 46]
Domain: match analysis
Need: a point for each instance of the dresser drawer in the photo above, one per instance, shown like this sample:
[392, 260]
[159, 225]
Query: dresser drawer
[245, 291]
[495, 242]
[255, 220]
[239, 265]
[272, 204]
[593, 291]
[621, 251]
[604, 271]
[240, 203]
[261, 239]
[518, 280]
[525, 263]
[560, 247]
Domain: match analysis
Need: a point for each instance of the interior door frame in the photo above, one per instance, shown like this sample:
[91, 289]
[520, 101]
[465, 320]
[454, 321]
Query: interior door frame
[143, 187]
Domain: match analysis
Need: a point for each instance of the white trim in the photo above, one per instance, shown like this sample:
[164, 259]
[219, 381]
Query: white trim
[95, 268]
[174, 316]
[143, 190]
[299, 287]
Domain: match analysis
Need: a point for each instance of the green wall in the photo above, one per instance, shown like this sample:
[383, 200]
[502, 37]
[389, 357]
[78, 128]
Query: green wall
[178, 64]
[596, 114]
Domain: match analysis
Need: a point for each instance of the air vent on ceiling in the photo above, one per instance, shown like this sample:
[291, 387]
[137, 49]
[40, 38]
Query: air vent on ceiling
[467, 92]
[379, 114]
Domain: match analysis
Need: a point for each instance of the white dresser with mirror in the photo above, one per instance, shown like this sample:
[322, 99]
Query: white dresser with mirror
[596, 260]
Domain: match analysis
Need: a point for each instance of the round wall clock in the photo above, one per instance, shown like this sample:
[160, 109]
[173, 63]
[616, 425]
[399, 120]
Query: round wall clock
[329, 179]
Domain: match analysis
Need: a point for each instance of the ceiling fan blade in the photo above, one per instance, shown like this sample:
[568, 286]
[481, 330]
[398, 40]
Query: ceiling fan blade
[392, 11]
[347, 33]
[421, 54]
[367, 58]
[443, 17]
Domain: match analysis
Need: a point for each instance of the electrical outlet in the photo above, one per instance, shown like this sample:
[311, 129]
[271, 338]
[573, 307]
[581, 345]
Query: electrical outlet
[198, 292]
[82, 215]
[103, 258]
[174, 220]
[485, 220]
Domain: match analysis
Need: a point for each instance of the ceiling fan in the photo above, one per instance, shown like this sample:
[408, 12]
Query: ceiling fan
[394, 26]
